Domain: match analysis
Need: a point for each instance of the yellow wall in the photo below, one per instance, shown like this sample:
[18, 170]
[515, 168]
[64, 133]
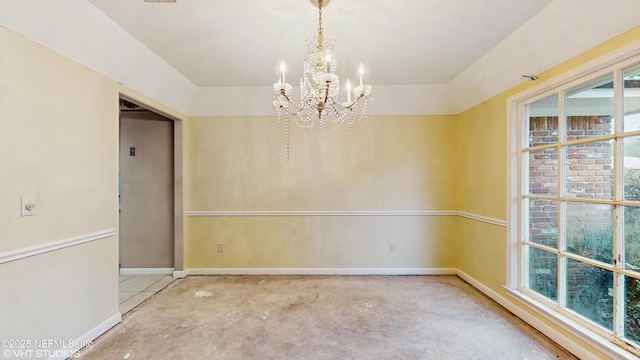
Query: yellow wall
[388, 163]
[482, 159]
[58, 143]
[333, 242]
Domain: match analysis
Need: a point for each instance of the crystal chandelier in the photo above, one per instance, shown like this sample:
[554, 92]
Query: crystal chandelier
[319, 104]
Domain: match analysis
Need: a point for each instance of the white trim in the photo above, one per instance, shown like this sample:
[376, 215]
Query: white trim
[467, 215]
[481, 218]
[320, 271]
[610, 59]
[147, 271]
[567, 343]
[513, 186]
[18, 254]
[613, 61]
[86, 340]
[325, 213]
[598, 342]
[180, 274]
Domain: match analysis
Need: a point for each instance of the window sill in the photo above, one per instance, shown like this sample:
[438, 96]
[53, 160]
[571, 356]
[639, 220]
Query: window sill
[597, 341]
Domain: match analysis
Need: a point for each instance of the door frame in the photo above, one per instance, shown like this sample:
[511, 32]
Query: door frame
[178, 176]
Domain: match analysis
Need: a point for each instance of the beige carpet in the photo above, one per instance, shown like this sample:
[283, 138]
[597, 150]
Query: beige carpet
[322, 317]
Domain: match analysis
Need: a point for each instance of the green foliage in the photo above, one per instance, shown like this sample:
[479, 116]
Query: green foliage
[543, 273]
[632, 218]
[589, 288]
[594, 244]
[632, 249]
[590, 296]
[632, 314]
[632, 185]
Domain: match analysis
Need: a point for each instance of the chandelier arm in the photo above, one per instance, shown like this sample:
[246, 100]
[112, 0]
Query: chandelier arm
[362, 95]
[307, 102]
[284, 94]
[297, 109]
[335, 103]
[294, 113]
[349, 106]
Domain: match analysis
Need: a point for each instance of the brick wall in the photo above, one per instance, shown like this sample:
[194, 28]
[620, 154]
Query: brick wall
[588, 176]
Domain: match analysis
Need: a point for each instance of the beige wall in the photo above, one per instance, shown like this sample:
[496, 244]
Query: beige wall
[58, 143]
[388, 164]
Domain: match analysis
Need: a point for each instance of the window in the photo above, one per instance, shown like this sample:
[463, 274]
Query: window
[574, 228]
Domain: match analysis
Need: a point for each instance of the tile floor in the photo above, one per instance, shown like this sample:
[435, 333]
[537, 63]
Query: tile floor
[134, 289]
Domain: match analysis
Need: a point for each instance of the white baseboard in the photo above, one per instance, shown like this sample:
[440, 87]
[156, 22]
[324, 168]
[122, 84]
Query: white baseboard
[553, 334]
[548, 331]
[180, 274]
[320, 271]
[87, 339]
[146, 271]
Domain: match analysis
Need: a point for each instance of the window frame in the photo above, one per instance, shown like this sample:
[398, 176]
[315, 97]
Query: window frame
[517, 217]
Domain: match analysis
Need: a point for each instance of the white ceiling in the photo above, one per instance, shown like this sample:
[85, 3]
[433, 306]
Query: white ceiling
[240, 42]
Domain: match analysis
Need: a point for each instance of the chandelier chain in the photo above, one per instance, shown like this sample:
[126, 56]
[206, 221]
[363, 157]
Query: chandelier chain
[320, 31]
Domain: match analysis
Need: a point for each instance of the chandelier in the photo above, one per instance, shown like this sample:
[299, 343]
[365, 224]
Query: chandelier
[319, 105]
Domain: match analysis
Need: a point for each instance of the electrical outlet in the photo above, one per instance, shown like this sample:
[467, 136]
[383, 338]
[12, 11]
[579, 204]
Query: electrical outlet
[392, 248]
[28, 205]
[220, 248]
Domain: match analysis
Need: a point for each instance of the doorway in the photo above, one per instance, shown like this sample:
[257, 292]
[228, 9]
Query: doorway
[146, 192]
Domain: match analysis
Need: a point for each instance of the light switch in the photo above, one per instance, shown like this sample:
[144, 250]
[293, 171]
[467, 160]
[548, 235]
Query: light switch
[28, 204]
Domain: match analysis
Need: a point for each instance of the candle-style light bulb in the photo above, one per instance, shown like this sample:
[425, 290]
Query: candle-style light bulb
[348, 85]
[327, 62]
[283, 69]
[361, 73]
